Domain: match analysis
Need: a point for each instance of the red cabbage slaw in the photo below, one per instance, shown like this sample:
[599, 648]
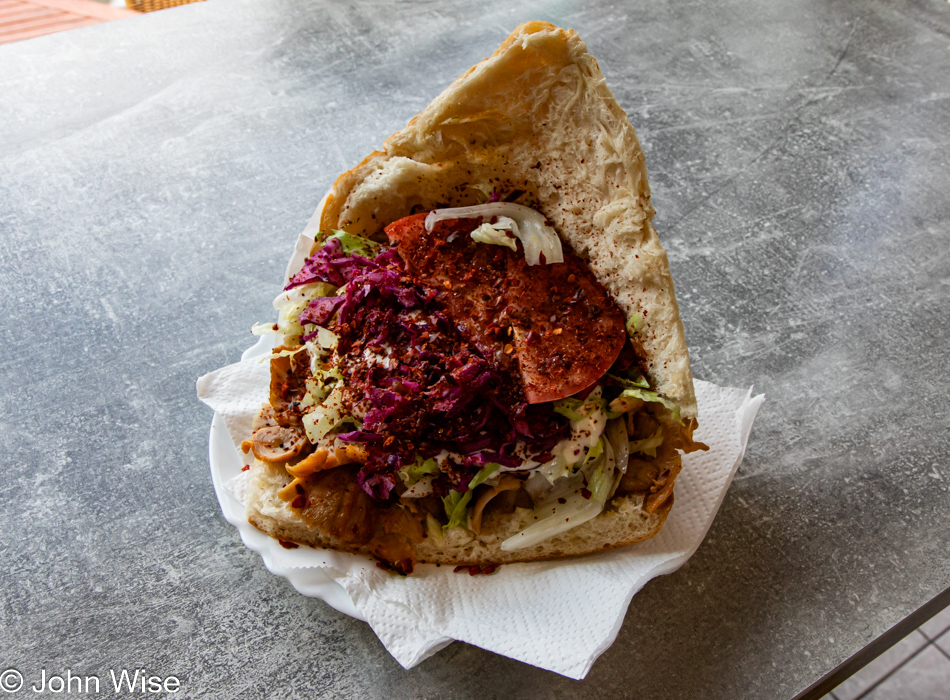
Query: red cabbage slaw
[421, 387]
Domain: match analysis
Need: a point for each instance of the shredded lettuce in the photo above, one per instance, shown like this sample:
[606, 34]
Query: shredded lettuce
[576, 410]
[639, 388]
[571, 408]
[433, 528]
[355, 244]
[648, 445]
[588, 420]
[327, 416]
[319, 357]
[484, 474]
[412, 473]
[320, 385]
[289, 306]
[456, 508]
[456, 502]
[304, 293]
[639, 383]
[649, 396]
[601, 482]
[596, 451]
[633, 323]
[326, 338]
[496, 234]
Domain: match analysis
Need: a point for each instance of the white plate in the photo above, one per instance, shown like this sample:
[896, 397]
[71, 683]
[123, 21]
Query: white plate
[226, 464]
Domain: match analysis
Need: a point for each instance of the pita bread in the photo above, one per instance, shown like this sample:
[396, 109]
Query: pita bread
[535, 116]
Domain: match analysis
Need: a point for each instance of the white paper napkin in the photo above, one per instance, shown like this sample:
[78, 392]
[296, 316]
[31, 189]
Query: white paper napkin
[558, 615]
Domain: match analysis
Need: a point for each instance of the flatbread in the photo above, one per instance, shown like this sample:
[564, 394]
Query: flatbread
[536, 116]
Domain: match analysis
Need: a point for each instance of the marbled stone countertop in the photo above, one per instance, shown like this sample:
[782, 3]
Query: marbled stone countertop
[154, 173]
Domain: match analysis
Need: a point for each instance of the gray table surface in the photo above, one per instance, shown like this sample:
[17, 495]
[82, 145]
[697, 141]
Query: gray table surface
[155, 171]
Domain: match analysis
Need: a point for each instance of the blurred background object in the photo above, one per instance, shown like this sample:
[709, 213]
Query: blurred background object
[152, 5]
[25, 19]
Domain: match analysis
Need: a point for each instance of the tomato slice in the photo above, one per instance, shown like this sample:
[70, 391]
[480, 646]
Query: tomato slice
[554, 324]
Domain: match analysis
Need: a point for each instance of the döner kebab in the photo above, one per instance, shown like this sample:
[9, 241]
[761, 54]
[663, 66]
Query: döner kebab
[482, 361]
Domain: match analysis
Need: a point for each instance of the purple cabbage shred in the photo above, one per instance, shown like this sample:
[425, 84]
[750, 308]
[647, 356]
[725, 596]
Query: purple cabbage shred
[421, 386]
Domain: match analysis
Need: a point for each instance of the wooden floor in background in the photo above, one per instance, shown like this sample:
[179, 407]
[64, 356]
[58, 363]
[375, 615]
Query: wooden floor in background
[25, 19]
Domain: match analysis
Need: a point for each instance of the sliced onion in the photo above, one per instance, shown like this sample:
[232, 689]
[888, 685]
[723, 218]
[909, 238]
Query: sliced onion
[527, 224]
[617, 434]
[555, 517]
[562, 517]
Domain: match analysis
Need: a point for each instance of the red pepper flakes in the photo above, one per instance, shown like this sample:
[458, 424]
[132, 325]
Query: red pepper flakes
[245, 467]
[475, 569]
[403, 567]
[586, 493]
[288, 545]
[562, 501]
[300, 502]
